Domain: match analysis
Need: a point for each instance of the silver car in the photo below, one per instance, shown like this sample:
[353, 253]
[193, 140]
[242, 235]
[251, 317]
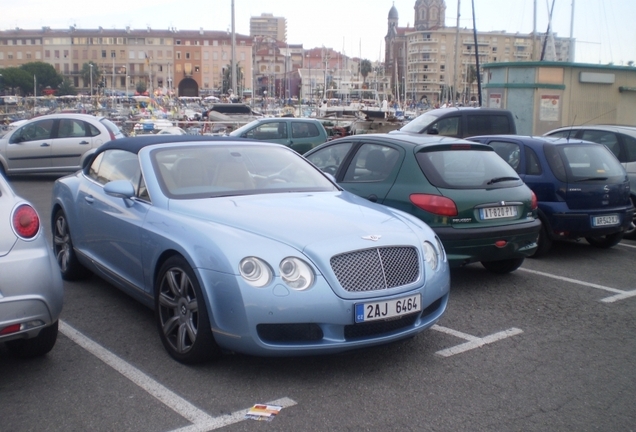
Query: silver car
[31, 292]
[54, 143]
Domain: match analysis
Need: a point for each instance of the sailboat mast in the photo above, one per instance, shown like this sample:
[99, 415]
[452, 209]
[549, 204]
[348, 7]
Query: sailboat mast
[456, 51]
[233, 66]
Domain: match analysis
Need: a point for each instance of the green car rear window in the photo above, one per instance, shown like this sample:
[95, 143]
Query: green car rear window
[466, 169]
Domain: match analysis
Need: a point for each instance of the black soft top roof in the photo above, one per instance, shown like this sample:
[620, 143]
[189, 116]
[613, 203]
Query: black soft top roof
[134, 144]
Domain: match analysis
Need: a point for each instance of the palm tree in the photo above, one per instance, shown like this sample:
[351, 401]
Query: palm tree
[365, 68]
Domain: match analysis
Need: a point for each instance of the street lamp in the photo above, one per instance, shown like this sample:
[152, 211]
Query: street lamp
[91, 65]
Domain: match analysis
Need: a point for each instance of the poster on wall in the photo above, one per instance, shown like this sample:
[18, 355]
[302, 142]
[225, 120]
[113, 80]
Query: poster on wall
[495, 100]
[549, 110]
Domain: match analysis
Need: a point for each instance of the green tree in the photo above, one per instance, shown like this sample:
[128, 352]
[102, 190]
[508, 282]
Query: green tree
[365, 68]
[17, 80]
[45, 74]
[85, 73]
[141, 87]
[66, 88]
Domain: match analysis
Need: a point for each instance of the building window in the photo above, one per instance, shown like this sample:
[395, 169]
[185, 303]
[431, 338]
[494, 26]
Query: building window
[187, 56]
[178, 55]
[103, 53]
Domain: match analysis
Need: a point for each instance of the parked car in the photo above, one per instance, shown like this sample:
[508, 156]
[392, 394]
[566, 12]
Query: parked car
[474, 201]
[621, 140]
[583, 191]
[31, 292]
[461, 122]
[299, 134]
[244, 246]
[54, 143]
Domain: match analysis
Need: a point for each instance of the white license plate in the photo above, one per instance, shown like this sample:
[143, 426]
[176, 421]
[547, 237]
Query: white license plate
[605, 220]
[498, 212]
[383, 310]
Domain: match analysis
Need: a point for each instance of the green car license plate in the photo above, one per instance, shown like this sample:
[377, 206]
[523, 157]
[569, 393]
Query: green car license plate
[498, 212]
[383, 310]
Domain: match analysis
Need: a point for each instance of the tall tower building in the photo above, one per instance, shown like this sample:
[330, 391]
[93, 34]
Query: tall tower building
[270, 26]
[429, 14]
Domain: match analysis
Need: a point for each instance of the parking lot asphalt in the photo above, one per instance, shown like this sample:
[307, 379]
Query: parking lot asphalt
[548, 347]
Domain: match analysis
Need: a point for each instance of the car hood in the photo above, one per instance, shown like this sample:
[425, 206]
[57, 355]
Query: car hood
[337, 221]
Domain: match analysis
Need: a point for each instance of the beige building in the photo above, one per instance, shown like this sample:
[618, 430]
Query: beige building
[269, 26]
[428, 60]
[188, 63]
[547, 95]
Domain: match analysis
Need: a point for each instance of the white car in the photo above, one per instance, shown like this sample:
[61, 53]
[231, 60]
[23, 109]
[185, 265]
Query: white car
[54, 143]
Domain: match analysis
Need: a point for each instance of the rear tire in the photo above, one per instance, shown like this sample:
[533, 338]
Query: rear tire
[630, 233]
[70, 267]
[503, 266]
[182, 315]
[37, 346]
[605, 242]
[544, 243]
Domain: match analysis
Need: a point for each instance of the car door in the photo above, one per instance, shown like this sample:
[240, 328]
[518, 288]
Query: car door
[29, 147]
[72, 140]
[272, 131]
[111, 226]
[305, 135]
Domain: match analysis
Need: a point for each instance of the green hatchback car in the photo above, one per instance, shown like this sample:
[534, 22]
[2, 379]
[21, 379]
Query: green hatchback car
[473, 200]
[300, 134]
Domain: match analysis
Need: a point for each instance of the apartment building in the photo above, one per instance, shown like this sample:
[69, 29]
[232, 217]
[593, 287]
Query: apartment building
[186, 63]
[269, 26]
[428, 60]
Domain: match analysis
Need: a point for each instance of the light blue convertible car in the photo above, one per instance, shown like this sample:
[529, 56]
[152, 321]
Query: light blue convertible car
[245, 246]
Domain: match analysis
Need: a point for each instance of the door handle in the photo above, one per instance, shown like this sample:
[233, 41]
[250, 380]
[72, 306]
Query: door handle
[44, 145]
[89, 199]
[83, 142]
[373, 198]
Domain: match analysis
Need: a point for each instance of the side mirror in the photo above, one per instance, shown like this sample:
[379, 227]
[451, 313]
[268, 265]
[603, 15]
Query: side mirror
[432, 131]
[120, 189]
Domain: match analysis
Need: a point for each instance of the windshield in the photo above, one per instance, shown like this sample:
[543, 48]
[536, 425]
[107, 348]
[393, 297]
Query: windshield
[467, 169]
[420, 123]
[205, 171]
[585, 163]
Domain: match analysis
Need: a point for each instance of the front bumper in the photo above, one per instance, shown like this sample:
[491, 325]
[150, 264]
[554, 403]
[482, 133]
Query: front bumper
[278, 321]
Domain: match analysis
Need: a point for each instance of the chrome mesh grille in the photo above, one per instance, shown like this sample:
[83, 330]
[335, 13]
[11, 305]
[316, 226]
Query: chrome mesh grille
[376, 269]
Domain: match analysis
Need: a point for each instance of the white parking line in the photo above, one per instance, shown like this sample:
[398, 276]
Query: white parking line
[627, 245]
[619, 294]
[473, 341]
[200, 419]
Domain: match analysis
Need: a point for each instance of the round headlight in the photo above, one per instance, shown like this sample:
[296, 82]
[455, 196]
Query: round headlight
[440, 247]
[296, 273]
[430, 255]
[255, 271]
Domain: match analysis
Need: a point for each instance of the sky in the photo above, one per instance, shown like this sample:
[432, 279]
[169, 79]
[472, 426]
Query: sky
[604, 29]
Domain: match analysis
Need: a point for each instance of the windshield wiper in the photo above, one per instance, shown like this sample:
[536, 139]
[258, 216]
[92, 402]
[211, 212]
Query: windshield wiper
[500, 179]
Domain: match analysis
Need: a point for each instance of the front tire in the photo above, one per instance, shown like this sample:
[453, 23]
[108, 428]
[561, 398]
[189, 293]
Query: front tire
[70, 267]
[503, 266]
[181, 313]
[605, 242]
[37, 346]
